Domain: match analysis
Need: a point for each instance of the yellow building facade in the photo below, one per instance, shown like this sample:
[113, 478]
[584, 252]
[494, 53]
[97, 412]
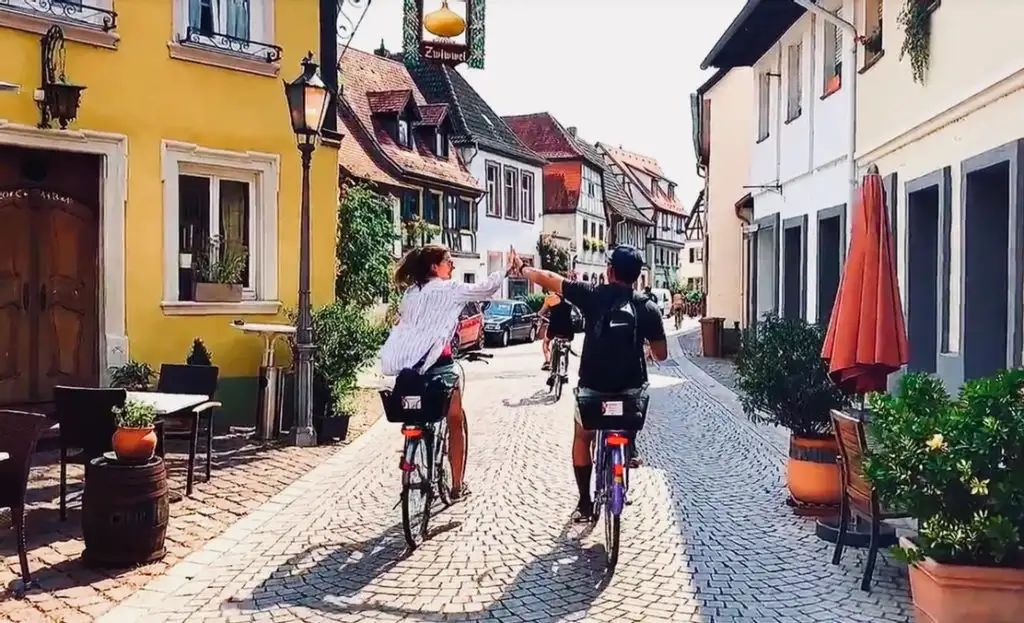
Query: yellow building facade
[182, 135]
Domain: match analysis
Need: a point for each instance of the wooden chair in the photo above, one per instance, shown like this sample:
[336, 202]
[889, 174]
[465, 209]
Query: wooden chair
[859, 498]
[86, 419]
[18, 435]
[185, 379]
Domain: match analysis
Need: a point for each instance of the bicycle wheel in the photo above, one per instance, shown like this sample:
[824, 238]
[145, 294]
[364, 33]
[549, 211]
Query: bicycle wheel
[612, 509]
[417, 492]
[442, 465]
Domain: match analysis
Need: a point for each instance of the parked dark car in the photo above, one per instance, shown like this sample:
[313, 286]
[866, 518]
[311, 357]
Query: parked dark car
[470, 332]
[509, 321]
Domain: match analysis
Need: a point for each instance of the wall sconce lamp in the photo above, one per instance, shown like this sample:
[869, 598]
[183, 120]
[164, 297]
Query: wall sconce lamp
[58, 99]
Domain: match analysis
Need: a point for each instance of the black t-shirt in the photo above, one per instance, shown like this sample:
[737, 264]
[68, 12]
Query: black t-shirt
[560, 319]
[595, 300]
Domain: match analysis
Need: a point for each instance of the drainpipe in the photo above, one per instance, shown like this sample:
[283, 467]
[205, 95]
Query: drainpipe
[850, 68]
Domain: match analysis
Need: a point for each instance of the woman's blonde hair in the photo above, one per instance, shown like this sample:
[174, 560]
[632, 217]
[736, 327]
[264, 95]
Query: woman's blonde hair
[416, 268]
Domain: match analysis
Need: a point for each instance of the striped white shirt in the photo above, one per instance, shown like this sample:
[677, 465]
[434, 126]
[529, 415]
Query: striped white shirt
[427, 320]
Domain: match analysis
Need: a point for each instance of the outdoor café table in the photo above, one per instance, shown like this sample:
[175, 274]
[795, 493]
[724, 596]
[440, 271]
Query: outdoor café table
[169, 404]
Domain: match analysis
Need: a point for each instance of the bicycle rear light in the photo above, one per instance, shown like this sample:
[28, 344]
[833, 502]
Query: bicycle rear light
[616, 440]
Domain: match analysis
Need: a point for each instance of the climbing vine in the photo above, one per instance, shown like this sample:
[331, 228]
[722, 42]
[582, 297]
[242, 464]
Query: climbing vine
[915, 18]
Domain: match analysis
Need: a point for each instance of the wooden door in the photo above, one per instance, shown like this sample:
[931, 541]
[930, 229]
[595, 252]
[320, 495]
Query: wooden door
[16, 286]
[67, 300]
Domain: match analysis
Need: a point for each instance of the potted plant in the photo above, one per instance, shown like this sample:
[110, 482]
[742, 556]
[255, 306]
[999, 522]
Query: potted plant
[218, 272]
[198, 355]
[784, 381]
[552, 256]
[586, 243]
[957, 466]
[134, 376]
[134, 440]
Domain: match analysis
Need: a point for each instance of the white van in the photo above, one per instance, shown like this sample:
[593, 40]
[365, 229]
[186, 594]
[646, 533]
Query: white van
[664, 299]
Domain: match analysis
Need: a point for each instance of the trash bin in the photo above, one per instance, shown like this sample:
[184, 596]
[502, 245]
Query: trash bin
[269, 403]
[711, 336]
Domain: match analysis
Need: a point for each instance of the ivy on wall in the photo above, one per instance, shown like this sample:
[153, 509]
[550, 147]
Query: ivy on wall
[915, 19]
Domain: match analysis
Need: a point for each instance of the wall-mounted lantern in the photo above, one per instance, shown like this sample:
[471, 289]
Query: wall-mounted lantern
[58, 99]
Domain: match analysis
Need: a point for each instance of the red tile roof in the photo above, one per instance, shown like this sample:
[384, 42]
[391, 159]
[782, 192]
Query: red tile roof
[542, 133]
[367, 74]
[355, 159]
[388, 101]
[433, 114]
[631, 163]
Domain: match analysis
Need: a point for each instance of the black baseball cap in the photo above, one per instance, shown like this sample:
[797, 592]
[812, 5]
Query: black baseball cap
[627, 262]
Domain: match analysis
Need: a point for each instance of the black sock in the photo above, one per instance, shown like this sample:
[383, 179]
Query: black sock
[583, 484]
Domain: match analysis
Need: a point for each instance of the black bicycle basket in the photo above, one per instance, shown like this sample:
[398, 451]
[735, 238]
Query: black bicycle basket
[612, 411]
[416, 399]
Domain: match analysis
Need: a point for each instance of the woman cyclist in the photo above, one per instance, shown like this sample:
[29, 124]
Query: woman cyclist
[558, 315]
[427, 318]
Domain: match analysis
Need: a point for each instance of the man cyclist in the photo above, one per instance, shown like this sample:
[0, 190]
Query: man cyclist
[619, 322]
[558, 315]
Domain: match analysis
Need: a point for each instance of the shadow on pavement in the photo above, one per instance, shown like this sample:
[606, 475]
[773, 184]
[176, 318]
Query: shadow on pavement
[539, 397]
[330, 579]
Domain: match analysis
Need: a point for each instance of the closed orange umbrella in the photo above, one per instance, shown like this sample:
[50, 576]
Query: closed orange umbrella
[867, 339]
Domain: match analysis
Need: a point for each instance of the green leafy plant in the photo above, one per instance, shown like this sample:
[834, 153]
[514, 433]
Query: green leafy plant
[132, 376]
[916, 19]
[220, 263]
[873, 42]
[198, 355]
[587, 244]
[955, 464]
[535, 301]
[418, 231]
[135, 414]
[365, 237]
[783, 379]
[346, 341]
[694, 296]
[552, 256]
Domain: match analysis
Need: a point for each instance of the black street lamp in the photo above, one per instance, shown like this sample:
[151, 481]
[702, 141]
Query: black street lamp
[308, 98]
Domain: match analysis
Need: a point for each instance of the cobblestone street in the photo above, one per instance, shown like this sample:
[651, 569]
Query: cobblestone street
[708, 538]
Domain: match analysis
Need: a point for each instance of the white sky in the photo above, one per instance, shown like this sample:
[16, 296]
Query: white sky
[622, 72]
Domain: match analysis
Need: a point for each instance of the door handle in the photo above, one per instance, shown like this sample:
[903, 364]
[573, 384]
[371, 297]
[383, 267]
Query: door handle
[24, 297]
[42, 296]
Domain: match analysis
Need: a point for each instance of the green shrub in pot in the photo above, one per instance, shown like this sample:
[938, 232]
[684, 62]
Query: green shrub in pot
[134, 376]
[954, 464]
[784, 381]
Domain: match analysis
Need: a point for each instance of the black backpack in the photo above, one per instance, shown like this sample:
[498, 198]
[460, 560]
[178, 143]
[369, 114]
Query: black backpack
[613, 340]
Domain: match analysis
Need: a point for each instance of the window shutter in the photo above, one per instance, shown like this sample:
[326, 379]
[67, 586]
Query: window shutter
[838, 45]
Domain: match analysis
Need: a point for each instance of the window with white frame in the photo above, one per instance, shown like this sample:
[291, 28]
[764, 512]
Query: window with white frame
[764, 98]
[404, 136]
[96, 13]
[243, 20]
[493, 189]
[833, 58]
[526, 201]
[511, 193]
[794, 81]
[219, 208]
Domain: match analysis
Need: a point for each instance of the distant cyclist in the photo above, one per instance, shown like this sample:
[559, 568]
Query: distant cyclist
[558, 316]
[618, 323]
[428, 315]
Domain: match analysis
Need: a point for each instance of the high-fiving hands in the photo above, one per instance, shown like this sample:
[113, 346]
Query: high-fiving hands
[515, 263]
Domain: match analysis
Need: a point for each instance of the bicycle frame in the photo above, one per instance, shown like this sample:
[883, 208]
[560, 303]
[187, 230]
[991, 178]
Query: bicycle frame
[610, 459]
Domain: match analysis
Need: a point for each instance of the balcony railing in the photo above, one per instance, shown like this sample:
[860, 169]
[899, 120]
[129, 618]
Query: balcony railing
[69, 11]
[226, 43]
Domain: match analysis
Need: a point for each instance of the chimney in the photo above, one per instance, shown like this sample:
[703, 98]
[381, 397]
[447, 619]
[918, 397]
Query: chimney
[572, 131]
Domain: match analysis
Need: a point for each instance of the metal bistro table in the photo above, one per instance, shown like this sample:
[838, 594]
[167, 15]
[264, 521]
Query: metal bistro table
[268, 401]
[167, 404]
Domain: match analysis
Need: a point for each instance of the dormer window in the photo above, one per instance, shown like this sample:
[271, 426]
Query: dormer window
[671, 191]
[404, 136]
[441, 143]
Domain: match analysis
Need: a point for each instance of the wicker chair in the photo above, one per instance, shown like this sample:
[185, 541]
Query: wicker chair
[859, 497]
[86, 421]
[185, 379]
[18, 435]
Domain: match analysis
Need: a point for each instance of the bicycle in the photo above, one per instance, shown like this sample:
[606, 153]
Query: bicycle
[425, 464]
[615, 419]
[559, 374]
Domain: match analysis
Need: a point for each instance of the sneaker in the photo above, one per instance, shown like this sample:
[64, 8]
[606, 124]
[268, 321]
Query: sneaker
[584, 513]
[546, 366]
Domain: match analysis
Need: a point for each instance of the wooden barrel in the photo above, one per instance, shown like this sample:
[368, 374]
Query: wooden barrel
[124, 512]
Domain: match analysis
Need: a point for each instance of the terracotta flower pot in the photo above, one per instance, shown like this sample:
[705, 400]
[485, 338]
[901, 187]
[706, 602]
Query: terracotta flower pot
[134, 444]
[964, 594]
[812, 472]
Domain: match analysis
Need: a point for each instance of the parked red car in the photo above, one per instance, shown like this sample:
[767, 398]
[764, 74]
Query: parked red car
[470, 332]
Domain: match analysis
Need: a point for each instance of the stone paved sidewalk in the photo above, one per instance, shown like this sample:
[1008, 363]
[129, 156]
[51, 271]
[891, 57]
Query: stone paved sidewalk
[708, 538]
[245, 474]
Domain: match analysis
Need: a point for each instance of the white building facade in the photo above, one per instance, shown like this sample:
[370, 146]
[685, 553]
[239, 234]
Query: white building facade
[799, 178]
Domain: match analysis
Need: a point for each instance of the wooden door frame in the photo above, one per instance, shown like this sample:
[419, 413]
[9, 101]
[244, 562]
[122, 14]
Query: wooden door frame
[113, 152]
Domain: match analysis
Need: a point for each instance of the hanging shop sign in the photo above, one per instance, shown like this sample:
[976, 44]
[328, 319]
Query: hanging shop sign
[446, 32]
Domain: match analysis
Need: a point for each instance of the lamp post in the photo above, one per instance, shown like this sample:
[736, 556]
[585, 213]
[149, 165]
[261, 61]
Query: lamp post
[308, 98]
